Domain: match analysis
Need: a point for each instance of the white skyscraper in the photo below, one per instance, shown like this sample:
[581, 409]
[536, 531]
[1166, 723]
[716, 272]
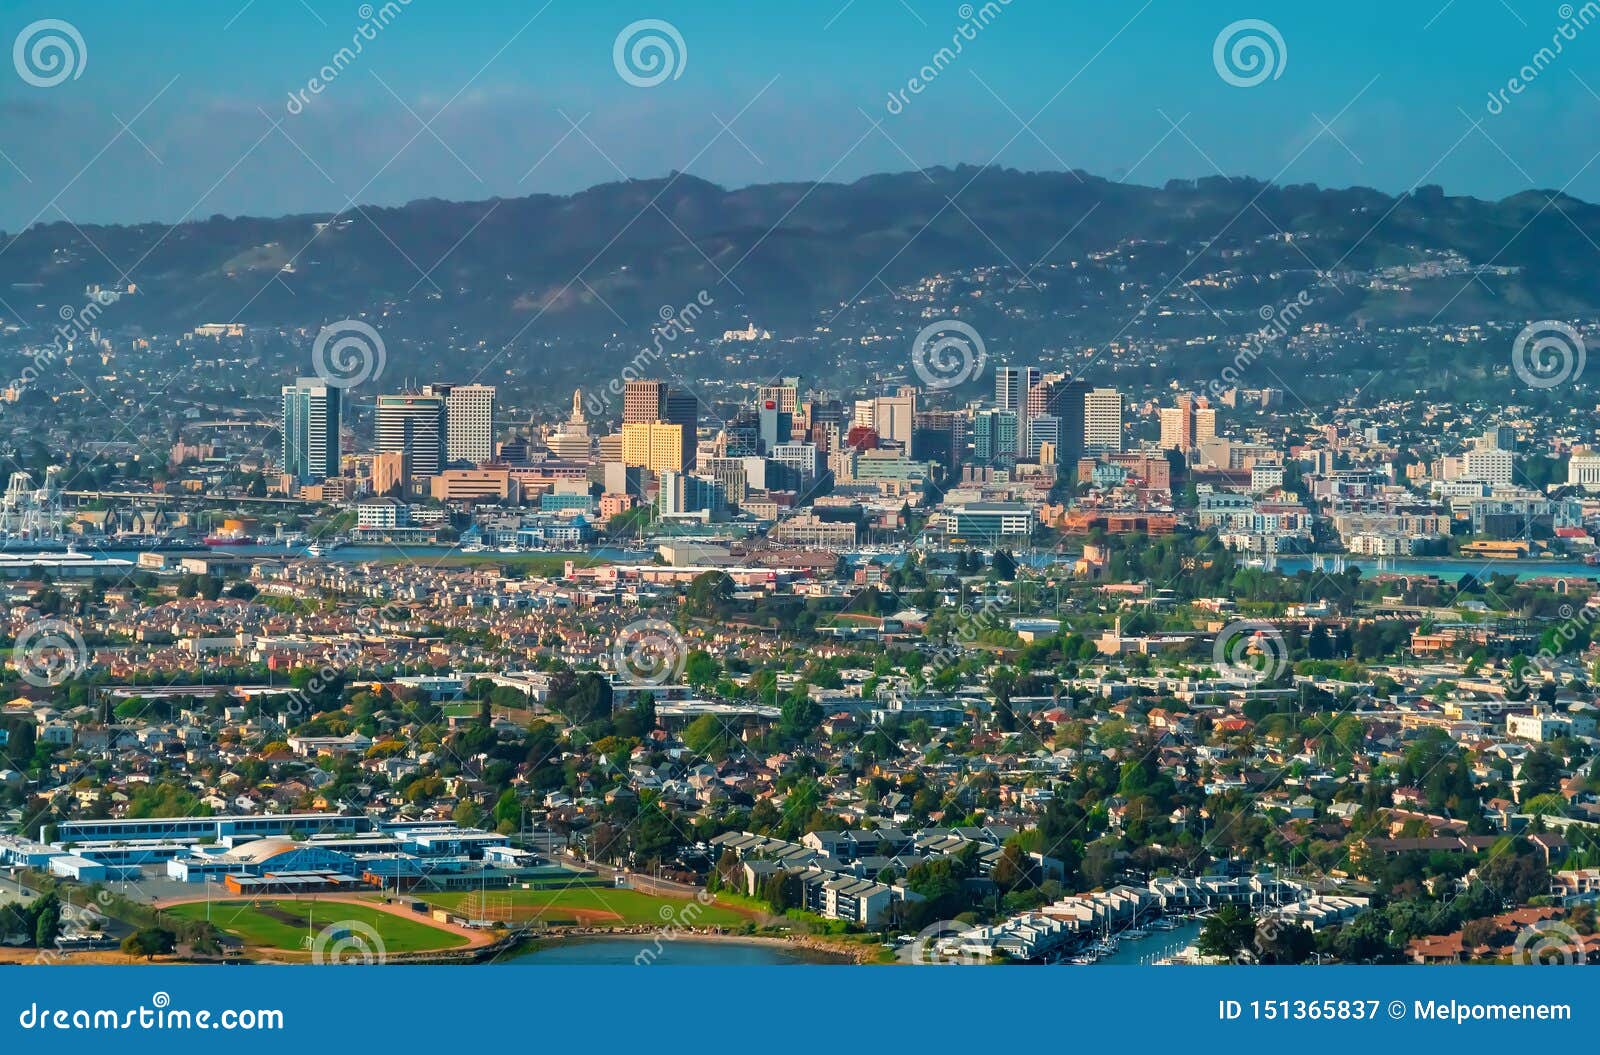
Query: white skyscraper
[1102, 420]
[469, 421]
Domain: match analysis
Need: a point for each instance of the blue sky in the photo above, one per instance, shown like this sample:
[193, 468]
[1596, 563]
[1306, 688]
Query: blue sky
[1122, 89]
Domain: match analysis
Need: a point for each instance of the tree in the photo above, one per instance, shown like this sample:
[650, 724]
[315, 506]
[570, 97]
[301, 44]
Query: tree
[779, 891]
[1001, 684]
[149, 942]
[1541, 773]
[707, 736]
[701, 670]
[1226, 933]
[1013, 868]
[1003, 566]
[507, 811]
[466, 814]
[1281, 942]
[709, 593]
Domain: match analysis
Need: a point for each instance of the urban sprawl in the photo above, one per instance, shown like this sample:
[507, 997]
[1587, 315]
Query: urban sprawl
[984, 663]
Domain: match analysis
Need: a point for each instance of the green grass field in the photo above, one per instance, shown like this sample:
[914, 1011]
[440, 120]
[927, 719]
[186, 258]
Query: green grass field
[590, 906]
[284, 924]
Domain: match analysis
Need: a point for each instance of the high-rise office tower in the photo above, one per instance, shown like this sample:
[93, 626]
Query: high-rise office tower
[1172, 435]
[643, 401]
[655, 445]
[1011, 387]
[414, 425]
[682, 408]
[773, 426]
[730, 474]
[1188, 424]
[741, 437]
[786, 395]
[994, 437]
[310, 430]
[940, 436]
[656, 402]
[469, 421]
[1102, 420]
[1067, 403]
[894, 417]
[1038, 398]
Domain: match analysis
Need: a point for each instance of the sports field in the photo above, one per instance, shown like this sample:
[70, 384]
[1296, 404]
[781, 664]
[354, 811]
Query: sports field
[296, 924]
[589, 906]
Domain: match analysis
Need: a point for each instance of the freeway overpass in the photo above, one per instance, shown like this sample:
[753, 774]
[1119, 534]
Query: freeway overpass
[80, 497]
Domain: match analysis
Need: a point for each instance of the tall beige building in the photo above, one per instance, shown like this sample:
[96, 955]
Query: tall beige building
[1173, 436]
[1102, 420]
[654, 445]
[893, 417]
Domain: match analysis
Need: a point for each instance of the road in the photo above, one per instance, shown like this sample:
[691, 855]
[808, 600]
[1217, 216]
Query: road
[645, 884]
[11, 890]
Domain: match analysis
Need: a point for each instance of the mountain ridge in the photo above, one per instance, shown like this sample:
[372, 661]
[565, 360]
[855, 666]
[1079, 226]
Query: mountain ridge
[788, 252]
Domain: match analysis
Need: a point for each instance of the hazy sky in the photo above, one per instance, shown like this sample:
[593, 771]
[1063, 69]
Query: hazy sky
[1121, 89]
